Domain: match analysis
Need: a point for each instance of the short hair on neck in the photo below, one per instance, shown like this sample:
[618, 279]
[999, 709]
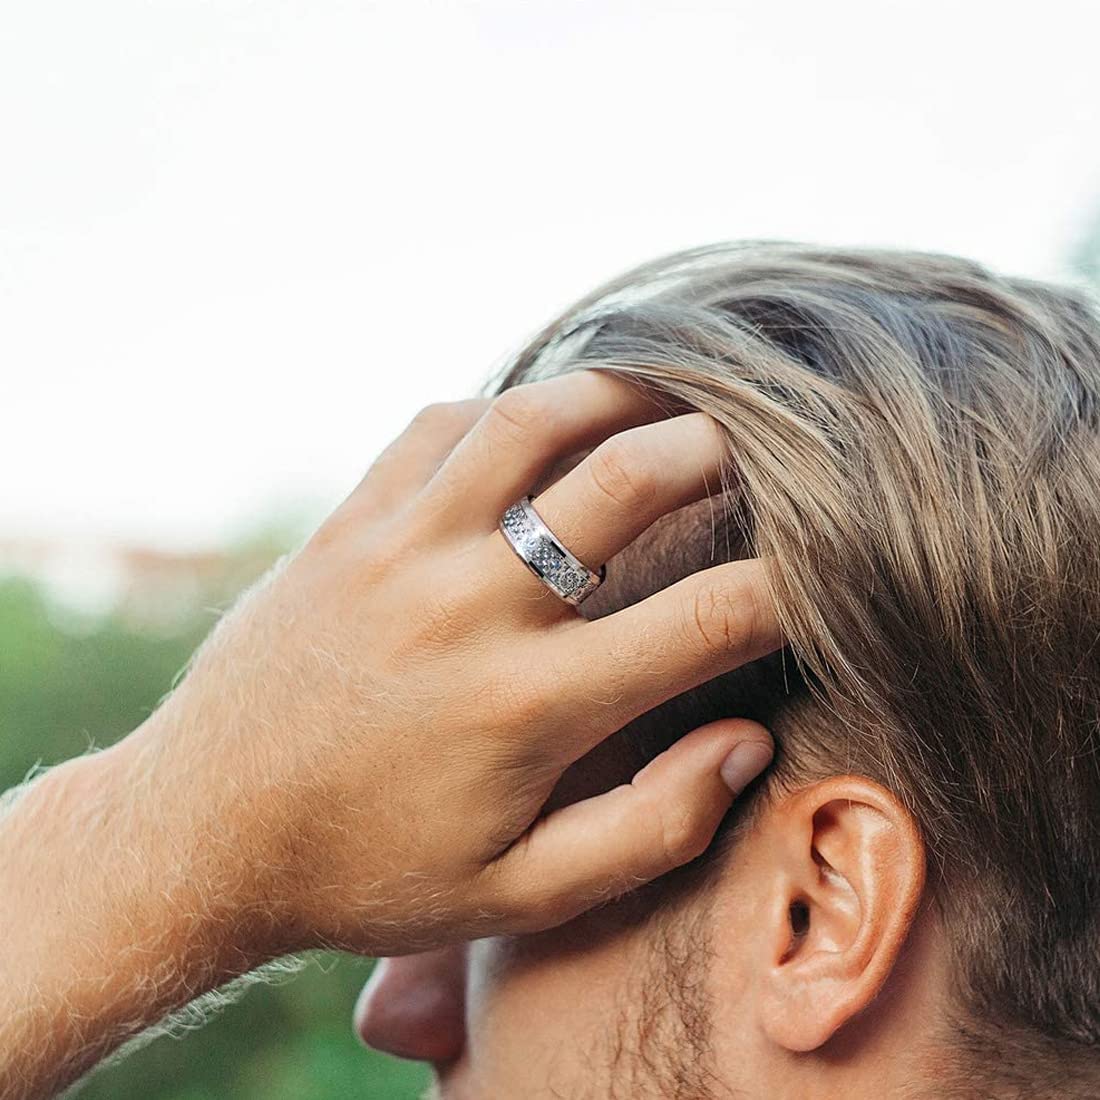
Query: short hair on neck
[915, 450]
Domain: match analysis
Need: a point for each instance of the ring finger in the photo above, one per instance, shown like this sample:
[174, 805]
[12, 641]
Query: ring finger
[628, 483]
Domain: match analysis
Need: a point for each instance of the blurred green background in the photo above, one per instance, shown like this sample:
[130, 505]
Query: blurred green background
[69, 678]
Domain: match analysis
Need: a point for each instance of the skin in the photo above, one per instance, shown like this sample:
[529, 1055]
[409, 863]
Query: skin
[361, 753]
[800, 958]
[715, 992]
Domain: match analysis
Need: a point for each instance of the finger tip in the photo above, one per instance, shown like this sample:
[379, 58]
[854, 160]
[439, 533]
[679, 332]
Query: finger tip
[745, 761]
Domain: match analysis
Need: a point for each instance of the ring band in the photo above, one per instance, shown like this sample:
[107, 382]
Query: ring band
[538, 549]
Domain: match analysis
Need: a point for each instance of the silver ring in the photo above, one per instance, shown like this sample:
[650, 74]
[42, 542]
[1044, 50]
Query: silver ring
[540, 551]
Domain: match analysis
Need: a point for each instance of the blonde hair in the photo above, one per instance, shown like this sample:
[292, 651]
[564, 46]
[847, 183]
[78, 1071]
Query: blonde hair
[916, 450]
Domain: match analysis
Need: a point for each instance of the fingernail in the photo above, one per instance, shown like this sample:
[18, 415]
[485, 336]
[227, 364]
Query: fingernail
[744, 763]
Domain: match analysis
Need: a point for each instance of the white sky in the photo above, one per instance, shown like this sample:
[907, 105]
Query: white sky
[242, 242]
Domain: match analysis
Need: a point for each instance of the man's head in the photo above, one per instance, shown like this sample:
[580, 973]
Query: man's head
[910, 902]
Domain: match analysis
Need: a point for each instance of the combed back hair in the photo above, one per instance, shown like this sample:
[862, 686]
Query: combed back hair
[915, 449]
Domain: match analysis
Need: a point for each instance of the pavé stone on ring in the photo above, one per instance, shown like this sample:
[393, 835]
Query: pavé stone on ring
[540, 551]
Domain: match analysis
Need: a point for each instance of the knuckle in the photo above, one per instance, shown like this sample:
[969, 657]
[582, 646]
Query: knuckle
[435, 626]
[683, 837]
[717, 617]
[622, 475]
[522, 898]
[535, 904]
[532, 905]
[733, 613]
[330, 535]
[433, 417]
[519, 411]
[532, 911]
[518, 705]
[340, 529]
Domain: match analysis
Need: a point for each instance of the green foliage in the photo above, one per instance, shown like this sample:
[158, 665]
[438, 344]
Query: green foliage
[291, 1041]
[67, 682]
[286, 1042]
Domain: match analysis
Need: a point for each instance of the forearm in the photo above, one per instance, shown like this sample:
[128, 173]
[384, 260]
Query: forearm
[115, 909]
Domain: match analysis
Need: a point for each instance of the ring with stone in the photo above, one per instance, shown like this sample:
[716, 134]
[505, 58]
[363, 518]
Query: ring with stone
[539, 549]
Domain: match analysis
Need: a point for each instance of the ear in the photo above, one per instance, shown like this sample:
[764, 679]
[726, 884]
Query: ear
[844, 881]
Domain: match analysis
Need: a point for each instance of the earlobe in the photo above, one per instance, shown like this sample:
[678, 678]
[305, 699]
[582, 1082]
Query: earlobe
[847, 885]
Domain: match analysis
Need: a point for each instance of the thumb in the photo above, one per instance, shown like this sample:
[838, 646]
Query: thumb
[594, 850]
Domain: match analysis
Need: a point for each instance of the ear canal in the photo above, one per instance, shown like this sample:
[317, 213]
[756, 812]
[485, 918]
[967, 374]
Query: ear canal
[799, 917]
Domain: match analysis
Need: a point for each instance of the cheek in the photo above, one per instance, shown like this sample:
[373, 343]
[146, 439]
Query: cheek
[539, 1008]
[512, 992]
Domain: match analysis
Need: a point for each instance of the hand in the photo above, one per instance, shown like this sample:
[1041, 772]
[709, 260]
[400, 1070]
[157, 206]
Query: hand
[361, 753]
[369, 738]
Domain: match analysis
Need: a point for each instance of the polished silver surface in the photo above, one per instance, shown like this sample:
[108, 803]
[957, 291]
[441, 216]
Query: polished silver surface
[539, 549]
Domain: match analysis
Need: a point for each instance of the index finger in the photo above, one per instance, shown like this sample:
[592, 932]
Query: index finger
[526, 429]
[635, 659]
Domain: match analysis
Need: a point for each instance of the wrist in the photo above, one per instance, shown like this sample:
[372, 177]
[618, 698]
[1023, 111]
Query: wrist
[213, 851]
[162, 870]
[115, 914]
